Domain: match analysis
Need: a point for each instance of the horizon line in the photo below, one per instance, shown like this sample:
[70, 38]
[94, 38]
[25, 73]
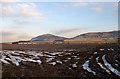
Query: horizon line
[66, 37]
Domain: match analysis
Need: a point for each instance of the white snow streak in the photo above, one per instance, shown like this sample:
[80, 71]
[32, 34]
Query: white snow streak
[102, 66]
[86, 67]
[109, 66]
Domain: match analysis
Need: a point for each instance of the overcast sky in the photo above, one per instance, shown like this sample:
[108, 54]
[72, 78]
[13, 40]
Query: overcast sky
[24, 20]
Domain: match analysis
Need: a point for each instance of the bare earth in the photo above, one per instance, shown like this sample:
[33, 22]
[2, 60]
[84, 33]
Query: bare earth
[61, 60]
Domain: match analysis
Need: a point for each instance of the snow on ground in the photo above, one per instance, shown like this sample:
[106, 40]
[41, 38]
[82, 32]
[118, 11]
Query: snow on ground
[116, 64]
[67, 53]
[31, 60]
[109, 66]
[101, 49]
[65, 60]
[95, 52]
[53, 63]
[14, 60]
[56, 53]
[69, 58]
[110, 49]
[4, 61]
[59, 62]
[69, 50]
[86, 67]
[116, 61]
[74, 56]
[16, 57]
[49, 56]
[49, 59]
[60, 55]
[74, 65]
[102, 66]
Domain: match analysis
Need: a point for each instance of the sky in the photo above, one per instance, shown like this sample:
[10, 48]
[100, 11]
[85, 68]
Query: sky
[25, 20]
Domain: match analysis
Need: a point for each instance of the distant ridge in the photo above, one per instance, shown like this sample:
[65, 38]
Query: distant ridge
[47, 37]
[111, 36]
[99, 35]
[106, 36]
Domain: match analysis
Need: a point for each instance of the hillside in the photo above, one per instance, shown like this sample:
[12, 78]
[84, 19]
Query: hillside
[47, 37]
[106, 36]
[95, 36]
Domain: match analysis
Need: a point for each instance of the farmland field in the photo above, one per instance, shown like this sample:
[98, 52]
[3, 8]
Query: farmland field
[61, 60]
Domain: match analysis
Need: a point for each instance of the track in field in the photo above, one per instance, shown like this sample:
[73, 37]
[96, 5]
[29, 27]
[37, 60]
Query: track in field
[103, 62]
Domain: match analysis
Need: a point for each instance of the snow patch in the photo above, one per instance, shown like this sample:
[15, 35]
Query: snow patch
[95, 52]
[56, 53]
[49, 59]
[53, 63]
[102, 66]
[65, 60]
[109, 66]
[74, 65]
[86, 67]
[59, 62]
[4, 61]
[101, 49]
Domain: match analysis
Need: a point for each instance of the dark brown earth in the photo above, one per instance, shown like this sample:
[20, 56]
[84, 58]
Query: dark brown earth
[82, 51]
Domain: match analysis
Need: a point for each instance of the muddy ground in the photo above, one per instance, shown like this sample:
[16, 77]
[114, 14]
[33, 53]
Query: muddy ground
[61, 60]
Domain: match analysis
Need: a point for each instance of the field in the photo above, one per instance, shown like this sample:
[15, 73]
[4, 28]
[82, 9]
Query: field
[61, 60]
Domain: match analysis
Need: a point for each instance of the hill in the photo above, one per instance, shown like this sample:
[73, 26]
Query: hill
[47, 37]
[106, 36]
[111, 36]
